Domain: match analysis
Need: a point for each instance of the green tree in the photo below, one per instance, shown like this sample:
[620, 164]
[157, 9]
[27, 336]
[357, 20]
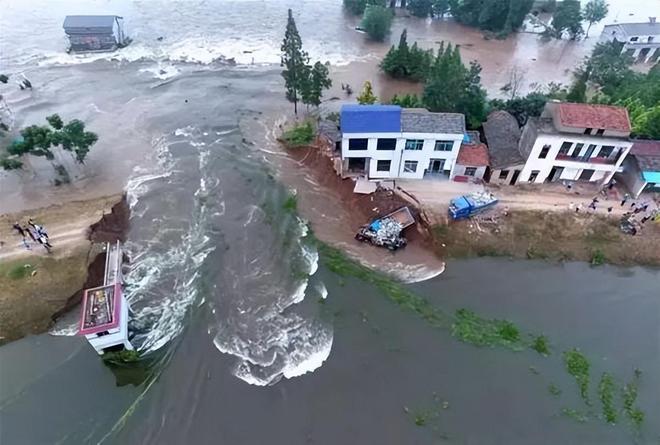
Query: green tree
[594, 12]
[357, 7]
[578, 91]
[607, 66]
[40, 141]
[420, 8]
[407, 101]
[522, 108]
[367, 96]
[294, 60]
[501, 16]
[568, 18]
[395, 62]
[376, 22]
[318, 80]
[440, 8]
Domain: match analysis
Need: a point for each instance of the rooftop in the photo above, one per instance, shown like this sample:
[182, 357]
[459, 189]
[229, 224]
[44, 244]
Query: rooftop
[503, 137]
[608, 117]
[638, 29]
[647, 154]
[474, 155]
[416, 120]
[89, 21]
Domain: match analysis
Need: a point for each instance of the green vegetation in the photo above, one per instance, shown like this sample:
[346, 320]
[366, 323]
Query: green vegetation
[290, 204]
[597, 258]
[407, 101]
[567, 19]
[300, 134]
[594, 12]
[404, 62]
[575, 415]
[470, 328]
[540, 345]
[377, 21]
[19, 271]
[554, 390]
[367, 96]
[357, 7]
[606, 393]
[303, 82]
[119, 358]
[634, 414]
[499, 16]
[578, 366]
[40, 141]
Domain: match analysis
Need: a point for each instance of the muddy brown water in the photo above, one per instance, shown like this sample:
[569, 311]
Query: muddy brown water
[227, 291]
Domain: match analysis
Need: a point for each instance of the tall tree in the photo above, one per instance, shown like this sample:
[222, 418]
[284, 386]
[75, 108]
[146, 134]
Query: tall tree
[357, 7]
[594, 12]
[607, 66]
[420, 8]
[367, 96]
[578, 91]
[318, 80]
[294, 60]
[568, 17]
[440, 8]
[377, 21]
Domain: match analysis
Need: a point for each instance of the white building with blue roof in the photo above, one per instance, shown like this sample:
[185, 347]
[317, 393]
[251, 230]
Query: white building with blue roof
[388, 142]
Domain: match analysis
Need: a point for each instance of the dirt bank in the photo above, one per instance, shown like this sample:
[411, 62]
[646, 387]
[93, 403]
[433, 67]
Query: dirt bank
[563, 235]
[36, 288]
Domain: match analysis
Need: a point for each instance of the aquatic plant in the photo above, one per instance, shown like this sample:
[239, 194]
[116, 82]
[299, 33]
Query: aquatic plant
[578, 366]
[290, 204]
[554, 389]
[122, 357]
[597, 258]
[629, 398]
[540, 345]
[471, 328]
[606, 394]
[575, 414]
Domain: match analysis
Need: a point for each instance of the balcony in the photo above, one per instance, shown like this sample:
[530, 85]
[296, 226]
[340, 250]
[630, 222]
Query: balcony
[594, 160]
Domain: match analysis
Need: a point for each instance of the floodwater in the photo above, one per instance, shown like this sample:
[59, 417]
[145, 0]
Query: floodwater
[252, 339]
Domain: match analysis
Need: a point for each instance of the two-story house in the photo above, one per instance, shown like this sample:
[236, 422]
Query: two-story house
[575, 142]
[640, 40]
[387, 141]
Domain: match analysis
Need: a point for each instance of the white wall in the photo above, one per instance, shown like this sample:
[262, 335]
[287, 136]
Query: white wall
[572, 168]
[495, 175]
[400, 155]
[459, 170]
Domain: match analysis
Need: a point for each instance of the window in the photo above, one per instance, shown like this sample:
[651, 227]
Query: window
[544, 152]
[589, 152]
[600, 132]
[577, 150]
[386, 144]
[470, 171]
[358, 144]
[634, 39]
[534, 175]
[565, 148]
[444, 145]
[410, 166]
[414, 144]
[504, 174]
[587, 131]
[606, 151]
[383, 166]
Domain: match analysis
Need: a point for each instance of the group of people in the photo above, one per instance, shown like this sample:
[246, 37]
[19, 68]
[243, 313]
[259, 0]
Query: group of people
[34, 232]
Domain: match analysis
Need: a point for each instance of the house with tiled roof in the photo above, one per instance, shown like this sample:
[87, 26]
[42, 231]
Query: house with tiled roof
[387, 142]
[473, 160]
[503, 137]
[641, 169]
[575, 142]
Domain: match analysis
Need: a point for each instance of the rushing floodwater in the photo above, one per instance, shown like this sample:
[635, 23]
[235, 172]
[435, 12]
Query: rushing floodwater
[228, 295]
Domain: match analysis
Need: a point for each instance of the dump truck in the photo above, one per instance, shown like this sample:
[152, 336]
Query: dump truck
[469, 205]
[386, 231]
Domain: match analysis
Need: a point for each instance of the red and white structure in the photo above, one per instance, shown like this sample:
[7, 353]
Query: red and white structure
[104, 318]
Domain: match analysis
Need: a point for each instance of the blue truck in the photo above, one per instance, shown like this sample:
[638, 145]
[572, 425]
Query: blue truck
[469, 205]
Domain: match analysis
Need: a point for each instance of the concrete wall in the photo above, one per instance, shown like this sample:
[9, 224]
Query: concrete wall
[572, 168]
[459, 170]
[632, 177]
[400, 155]
[495, 175]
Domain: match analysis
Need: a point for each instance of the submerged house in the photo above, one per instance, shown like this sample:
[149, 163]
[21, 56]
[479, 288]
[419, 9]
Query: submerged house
[88, 33]
[640, 40]
[641, 169]
[387, 142]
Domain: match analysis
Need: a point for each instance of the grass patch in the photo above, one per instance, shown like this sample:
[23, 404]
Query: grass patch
[300, 134]
[575, 415]
[471, 328]
[19, 271]
[540, 345]
[290, 204]
[554, 390]
[597, 257]
[578, 366]
[634, 414]
[606, 394]
[122, 357]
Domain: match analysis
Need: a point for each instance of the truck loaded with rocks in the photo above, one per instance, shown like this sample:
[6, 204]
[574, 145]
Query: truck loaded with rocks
[386, 231]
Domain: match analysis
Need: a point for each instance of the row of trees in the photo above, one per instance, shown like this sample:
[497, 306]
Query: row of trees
[500, 16]
[404, 62]
[303, 82]
[568, 18]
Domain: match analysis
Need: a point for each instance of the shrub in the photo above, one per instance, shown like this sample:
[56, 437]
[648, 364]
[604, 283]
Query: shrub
[301, 134]
[377, 22]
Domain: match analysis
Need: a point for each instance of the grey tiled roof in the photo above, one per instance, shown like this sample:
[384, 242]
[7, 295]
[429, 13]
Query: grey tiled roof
[640, 29]
[503, 137]
[648, 163]
[415, 120]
